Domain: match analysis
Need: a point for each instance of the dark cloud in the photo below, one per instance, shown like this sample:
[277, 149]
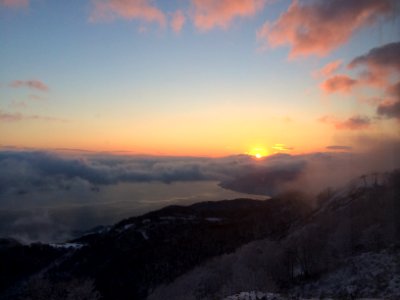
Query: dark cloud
[381, 64]
[339, 147]
[378, 65]
[386, 56]
[389, 110]
[391, 107]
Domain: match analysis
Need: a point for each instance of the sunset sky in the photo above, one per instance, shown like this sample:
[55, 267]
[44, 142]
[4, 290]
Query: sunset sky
[198, 77]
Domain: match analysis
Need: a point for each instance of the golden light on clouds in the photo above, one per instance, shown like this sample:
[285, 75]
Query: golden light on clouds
[281, 148]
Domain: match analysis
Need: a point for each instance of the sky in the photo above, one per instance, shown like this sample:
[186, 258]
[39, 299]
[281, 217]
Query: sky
[199, 77]
[112, 108]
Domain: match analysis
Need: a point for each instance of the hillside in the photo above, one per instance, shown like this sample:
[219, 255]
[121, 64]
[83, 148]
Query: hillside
[347, 248]
[136, 255]
[281, 247]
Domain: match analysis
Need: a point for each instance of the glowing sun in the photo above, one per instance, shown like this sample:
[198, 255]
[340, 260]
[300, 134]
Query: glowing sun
[258, 152]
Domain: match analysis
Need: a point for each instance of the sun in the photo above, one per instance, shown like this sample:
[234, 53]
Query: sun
[258, 152]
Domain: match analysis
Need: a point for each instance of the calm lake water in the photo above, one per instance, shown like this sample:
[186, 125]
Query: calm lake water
[58, 215]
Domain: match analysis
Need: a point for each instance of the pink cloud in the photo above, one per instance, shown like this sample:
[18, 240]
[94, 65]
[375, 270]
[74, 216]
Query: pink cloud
[14, 3]
[318, 27]
[338, 83]
[352, 123]
[178, 20]
[329, 68]
[33, 84]
[211, 13]
[127, 9]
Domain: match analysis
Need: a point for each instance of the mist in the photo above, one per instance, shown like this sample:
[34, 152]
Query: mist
[50, 196]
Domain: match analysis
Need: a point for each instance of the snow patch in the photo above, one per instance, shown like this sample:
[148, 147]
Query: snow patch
[127, 226]
[67, 246]
[213, 219]
[255, 295]
[144, 234]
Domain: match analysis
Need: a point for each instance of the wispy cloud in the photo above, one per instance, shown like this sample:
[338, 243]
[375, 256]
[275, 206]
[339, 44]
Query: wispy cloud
[37, 170]
[329, 69]
[281, 148]
[14, 3]
[339, 147]
[178, 20]
[16, 117]
[352, 123]
[32, 84]
[143, 10]
[318, 27]
[208, 14]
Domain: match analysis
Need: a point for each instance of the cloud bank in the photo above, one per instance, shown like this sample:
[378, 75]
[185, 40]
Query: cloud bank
[44, 195]
[24, 171]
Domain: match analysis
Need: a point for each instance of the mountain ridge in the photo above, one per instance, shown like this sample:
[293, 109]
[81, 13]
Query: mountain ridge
[138, 256]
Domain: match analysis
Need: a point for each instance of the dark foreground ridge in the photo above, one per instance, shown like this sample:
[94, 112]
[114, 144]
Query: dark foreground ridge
[137, 256]
[131, 258]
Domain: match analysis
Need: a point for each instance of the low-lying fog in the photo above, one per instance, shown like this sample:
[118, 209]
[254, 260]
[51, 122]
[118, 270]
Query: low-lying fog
[54, 196]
